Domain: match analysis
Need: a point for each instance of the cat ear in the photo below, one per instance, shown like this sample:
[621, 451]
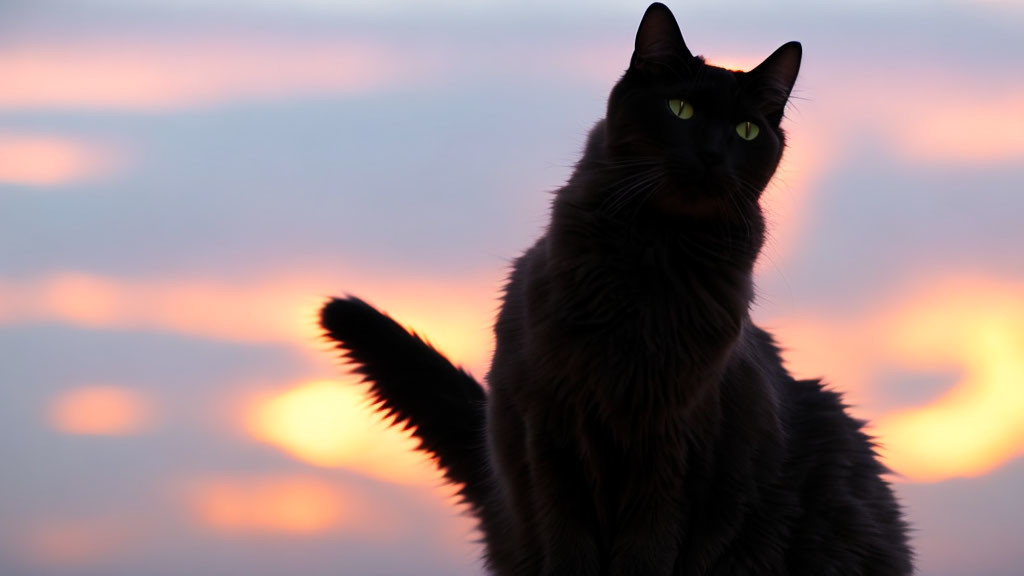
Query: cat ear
[659, 35]
[775, 78]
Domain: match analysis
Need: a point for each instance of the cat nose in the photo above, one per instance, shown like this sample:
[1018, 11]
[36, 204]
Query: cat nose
[710, 157]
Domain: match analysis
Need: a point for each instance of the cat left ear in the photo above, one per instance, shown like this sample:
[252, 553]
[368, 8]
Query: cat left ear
[659, 35]
[776, 77]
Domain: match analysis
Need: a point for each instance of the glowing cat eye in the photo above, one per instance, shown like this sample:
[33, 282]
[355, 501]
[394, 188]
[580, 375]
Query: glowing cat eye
[681, 108]
[747, 130]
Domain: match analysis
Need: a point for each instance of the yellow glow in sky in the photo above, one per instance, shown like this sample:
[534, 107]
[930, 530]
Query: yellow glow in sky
[330, 424]
[979, 424]
[973, 327]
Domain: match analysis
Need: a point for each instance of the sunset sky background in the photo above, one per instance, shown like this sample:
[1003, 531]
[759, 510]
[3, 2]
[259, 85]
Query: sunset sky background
[183, 182]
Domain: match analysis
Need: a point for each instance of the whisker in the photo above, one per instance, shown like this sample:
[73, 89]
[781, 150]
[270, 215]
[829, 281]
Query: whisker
[622, 197]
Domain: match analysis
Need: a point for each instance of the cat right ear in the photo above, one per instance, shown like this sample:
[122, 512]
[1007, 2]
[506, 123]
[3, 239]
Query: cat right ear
[659, 35]
[776, 76]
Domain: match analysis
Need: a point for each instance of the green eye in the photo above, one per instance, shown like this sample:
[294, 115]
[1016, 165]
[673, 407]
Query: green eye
[681, 108]
[747, 130]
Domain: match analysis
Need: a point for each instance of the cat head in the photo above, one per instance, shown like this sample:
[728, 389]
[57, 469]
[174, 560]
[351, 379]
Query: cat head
[709, 137]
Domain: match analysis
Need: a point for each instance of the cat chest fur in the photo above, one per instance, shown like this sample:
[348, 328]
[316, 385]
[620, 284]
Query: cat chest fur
[634, 328]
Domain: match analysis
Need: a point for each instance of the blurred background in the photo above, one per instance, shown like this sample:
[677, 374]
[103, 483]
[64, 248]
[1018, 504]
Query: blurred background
[182, 182]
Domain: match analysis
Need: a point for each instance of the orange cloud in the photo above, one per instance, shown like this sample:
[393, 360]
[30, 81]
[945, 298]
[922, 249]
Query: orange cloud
[152, 74]
[455, 314]
[75, 542]
[38, 160]
[289, 505]
[331, 424]
[972, 326]
[99, 411]
[297, 504]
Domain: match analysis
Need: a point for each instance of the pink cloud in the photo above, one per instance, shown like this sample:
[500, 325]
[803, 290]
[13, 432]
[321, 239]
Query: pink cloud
[75, 542]
[454, 313]
[99, 411]
[926, 116]
[149, 74]
[963, 128]
[47, 160]
[292, 505]
[303, 505]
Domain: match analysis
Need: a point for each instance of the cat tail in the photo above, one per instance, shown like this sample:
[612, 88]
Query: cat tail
[418, 387]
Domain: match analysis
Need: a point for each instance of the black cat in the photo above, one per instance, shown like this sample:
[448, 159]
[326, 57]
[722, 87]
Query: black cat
[638, 422]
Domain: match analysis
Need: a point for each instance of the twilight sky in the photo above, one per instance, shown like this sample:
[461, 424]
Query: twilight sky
[182, 182]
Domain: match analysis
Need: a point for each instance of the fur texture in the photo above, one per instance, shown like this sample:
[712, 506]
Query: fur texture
[637, 421]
